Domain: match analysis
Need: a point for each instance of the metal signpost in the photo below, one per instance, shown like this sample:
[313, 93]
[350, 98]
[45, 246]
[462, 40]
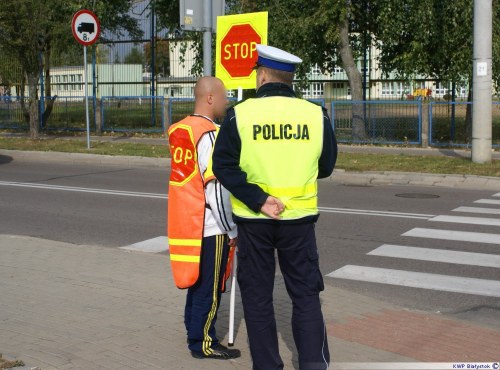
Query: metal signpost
[86, 30]
[237, 39]
[201, 16]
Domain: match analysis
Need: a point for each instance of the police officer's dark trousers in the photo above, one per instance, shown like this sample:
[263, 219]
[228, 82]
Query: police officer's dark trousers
[298, 259]
[203, 298]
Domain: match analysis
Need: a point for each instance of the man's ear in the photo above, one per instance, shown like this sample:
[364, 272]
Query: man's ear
[210, 99]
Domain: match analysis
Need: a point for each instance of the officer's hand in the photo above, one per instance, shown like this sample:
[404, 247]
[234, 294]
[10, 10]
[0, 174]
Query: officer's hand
[233, 242]
[273, 207]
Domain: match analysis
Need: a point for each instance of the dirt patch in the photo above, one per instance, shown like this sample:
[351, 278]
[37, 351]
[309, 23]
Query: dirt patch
[6, 364]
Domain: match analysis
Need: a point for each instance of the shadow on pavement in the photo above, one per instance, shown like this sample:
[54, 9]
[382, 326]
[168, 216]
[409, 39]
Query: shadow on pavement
[4, 159]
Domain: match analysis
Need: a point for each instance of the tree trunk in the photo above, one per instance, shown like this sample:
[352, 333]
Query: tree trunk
[468, 114]
[355, 82]
[50, 100]
[22, 97]
[33, 105]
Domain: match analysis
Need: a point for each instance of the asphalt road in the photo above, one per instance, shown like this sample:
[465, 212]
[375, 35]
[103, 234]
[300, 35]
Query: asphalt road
[116, 206]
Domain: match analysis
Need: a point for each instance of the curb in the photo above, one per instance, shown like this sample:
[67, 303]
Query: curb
[79, 158]
[369, 178]
[472, 182]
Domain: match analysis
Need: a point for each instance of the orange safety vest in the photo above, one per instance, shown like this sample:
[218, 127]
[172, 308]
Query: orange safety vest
[186, 200]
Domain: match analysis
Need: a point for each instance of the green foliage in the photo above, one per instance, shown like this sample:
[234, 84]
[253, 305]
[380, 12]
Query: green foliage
[431, 37]
[135, 56]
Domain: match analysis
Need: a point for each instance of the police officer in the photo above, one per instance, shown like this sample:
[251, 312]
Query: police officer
[269, 153]
[200, 225]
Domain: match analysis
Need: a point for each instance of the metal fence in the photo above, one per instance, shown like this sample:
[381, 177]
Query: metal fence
[450, 124]
[11, 116]
[133, 113]
[68, 114]
[384, 122]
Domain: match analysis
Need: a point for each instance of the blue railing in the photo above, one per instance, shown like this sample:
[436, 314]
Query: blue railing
[68, 114]
[380, 122]
[11, 115]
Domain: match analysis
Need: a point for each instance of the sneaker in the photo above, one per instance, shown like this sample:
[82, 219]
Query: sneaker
[220, 352]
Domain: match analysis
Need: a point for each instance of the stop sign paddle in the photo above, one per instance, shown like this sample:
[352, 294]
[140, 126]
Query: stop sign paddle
[237, 39]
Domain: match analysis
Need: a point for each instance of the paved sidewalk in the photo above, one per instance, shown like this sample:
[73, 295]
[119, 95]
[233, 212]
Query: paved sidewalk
[65, 306]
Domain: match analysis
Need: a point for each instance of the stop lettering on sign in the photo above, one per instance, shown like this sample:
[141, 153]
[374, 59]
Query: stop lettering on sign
[239, 50]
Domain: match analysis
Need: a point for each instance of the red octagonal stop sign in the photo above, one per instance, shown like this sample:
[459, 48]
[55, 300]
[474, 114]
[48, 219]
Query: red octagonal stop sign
[239, 51]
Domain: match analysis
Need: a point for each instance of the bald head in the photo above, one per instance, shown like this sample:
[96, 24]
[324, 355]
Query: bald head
[210, 97]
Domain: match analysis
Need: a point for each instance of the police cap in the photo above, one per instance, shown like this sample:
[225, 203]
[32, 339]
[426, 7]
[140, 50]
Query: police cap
[275, 58]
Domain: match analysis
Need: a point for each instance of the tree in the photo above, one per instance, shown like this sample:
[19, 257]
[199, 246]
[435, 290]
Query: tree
[433, 38]
[319, 31]
[31, 30]
[162, 56]
[135, 56]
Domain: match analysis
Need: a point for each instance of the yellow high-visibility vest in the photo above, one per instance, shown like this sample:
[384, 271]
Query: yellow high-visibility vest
[281, 142]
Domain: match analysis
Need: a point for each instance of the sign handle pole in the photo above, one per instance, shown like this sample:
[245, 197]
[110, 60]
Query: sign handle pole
[233, 277]
[85, 77]
[230, 340]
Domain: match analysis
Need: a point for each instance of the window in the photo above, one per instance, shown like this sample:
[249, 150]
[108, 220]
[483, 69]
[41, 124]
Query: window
[314, 90]
[387, 89]
[420, 85]
[317, 90]
[338, 70]
[315, 70]
[441, 88]
[462, 91]
[338, 85]
[402, 88]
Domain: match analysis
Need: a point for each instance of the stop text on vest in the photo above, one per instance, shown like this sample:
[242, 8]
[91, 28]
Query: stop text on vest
[239, 50]
[281, 132]
[180, 154]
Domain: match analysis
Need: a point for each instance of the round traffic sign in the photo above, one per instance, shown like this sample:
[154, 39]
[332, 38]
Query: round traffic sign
[85, 27]
[239, 50]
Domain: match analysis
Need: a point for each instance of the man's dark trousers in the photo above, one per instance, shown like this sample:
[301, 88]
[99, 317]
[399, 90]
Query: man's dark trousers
[298, 259]
[203, 299]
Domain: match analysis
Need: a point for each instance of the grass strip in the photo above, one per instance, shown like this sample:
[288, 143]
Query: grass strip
[346, 161]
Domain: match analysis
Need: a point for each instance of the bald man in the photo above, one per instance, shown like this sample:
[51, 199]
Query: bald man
[201, 231]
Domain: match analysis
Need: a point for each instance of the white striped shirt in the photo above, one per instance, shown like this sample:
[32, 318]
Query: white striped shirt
[218, 219]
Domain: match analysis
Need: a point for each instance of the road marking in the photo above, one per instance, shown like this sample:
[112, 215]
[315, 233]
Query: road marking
[83, 190]
[456, 284]
[488, 201]
[467, 220]
[165, 196]
[496, 195]
[463, 236]
[437, 255]
[155, 245]
[491, 211]
[367, 212]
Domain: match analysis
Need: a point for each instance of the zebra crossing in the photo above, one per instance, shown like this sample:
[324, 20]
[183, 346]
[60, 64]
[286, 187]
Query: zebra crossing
[435, 281]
